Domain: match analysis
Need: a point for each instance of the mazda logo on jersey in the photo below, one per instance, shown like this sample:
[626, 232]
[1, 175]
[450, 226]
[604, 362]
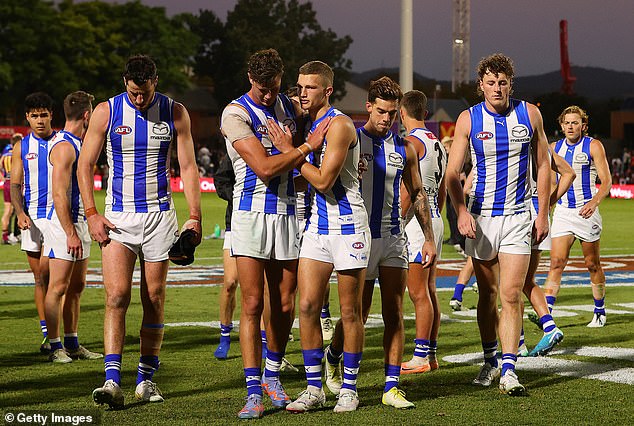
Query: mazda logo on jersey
[395, 158]
[31, 156]
[484, 136]
[519, 131]
[123, 130]
[290, 123]
[582, 158]
[161, 128]
[358, 245]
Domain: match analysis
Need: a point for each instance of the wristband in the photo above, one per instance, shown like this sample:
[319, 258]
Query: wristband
[90, 212]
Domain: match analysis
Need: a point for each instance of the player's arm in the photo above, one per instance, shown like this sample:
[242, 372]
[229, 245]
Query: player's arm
[566, 176]
[540, 147]
[17, 198]
[341, 136]
[466, 223]
[62, 158]
[420, 204]
[406, 201]
[98, 225]
[188, 168]
[603, 173]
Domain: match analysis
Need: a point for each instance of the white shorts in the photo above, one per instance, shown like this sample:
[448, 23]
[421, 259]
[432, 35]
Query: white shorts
[33, 238]
[226, 245]
[344, 252]
[387, 251]
[264, 236]
[149, 235]
[547, 243]
[569, 222]
[500, 234]
[416, 238]
[55, 240]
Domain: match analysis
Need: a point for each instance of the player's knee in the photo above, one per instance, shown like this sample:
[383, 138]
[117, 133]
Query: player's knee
[117, 300]
[593, 265]
[231, 284]
[309, 307]
[350, 314]
[252, 306]
[558, 263]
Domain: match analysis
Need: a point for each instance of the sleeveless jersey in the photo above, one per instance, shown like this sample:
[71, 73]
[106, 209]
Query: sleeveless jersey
[250, 193]
[137, 149]
[432, 166]
[381, 182]
[500, 149]
[578, 156]
[38, 198]
[340, 211]
[76, 206]
[7, 152]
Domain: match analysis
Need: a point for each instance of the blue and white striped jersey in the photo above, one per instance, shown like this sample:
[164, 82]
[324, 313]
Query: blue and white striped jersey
[381, 182]
[500, 150]
[250, 193]
[76, 206]
[578, 156]
[432, 166]
[38, 197]
[340, 211]
[137, 149]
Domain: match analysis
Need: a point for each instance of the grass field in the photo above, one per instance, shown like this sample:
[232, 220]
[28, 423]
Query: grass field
[202, 390]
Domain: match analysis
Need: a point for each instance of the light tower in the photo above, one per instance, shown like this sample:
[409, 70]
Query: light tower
[460, 43]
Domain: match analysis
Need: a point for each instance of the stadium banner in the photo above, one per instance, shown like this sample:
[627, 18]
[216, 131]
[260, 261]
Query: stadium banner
[7, 131]
[622, 191]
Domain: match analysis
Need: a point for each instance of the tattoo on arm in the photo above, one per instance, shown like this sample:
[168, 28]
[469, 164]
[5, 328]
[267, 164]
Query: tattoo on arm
[423, 215]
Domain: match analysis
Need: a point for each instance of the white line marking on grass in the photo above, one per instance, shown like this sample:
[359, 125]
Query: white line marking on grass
[571, 368]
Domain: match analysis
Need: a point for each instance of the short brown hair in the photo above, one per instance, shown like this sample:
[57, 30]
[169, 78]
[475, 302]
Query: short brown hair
[386, 89]
[415, 103]
[76, 104]
[140, 69]
[318, 68]
[495, 64]
[264, 66]
[574, 109]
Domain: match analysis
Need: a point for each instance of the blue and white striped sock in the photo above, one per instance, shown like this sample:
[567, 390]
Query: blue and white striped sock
[253, 379]
[71, 341]
[519, 345]
[325, 311]
[599, 306]
[351, 363]
[551, 302]
[56, 343]
[272, 365]
[508, 362]
[421, 348]
[312, 365]
[225, 333]
[392, 376]
[433, 348]
[44, 328]
[112, 367]
[490, 350]
[547, 323]
[148, 364]
[264, 342]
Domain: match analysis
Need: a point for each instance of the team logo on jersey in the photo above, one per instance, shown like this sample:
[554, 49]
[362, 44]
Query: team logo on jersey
[582, 158]
[123, 130]
[31, 156]
[395, 160]
[262, 129]
[358, 245]
[484, 136]
[520, 134]
[431, 136]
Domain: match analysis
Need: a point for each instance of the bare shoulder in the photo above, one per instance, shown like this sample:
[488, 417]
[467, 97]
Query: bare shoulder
[180, 111]
[341, 126]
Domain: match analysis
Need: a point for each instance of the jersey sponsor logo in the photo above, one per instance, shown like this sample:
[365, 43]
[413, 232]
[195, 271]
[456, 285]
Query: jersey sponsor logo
[582, 158]
[290, 123]
[431, 136]
[395, 160]
[358, 245]
[484, 136]
[346, 219]
[31, 156]
[161, 131]
[123, 130]
[520, 134]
